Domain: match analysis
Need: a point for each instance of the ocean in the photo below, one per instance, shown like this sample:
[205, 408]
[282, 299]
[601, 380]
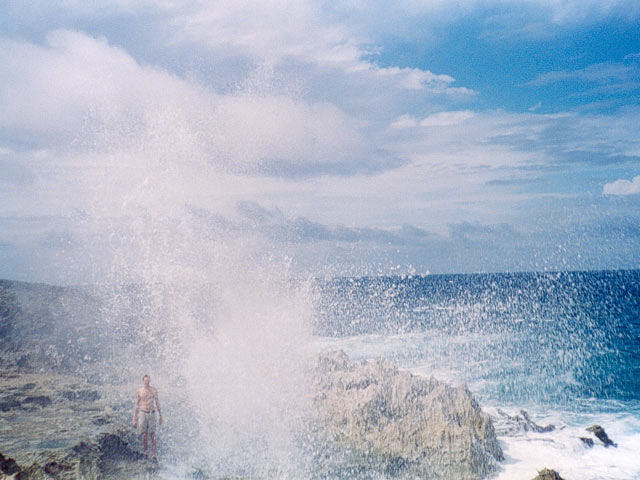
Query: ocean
[564, 347]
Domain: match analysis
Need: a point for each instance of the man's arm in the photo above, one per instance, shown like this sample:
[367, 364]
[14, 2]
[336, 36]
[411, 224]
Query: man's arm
[135, 410]
[155, 394]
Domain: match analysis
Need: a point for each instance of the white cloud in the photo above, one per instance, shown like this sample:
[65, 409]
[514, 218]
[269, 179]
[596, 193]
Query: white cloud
[600, 73]
[81, 89]
[535, 107]
[444, 119]
[57, 89]
[404, 121]
[439, 119]
[299, 31]
[622, 187]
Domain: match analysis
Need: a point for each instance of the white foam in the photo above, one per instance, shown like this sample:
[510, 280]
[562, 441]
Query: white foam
[563, 451]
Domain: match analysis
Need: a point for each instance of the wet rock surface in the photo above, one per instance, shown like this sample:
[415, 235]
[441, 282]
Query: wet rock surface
[601, 435]
[56, 426]
[511, 424]
[399, 424]
[587, 441]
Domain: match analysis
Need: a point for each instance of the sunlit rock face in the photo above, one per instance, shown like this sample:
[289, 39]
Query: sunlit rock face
[403, 423]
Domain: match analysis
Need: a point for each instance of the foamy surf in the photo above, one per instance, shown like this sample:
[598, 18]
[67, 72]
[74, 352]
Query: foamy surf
[528, 452]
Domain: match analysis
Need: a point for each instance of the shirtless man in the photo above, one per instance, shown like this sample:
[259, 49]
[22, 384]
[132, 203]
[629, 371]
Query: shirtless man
[147, 402]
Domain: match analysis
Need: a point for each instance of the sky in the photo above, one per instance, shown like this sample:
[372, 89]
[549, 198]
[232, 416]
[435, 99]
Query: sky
[354, 137]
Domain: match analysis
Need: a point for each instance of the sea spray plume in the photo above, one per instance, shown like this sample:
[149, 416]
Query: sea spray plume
[226, 323]
[209, 308]
[246, 375]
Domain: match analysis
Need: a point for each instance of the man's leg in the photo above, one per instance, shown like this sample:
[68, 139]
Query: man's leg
[144, 442]
[154, 453]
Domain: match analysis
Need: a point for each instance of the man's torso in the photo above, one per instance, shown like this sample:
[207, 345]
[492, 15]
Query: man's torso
[147, 397]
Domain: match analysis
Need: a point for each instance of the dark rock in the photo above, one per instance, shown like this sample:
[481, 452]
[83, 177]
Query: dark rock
[40, 400]
[101, 420]
[115, 447]
[546, 474]
[198, 474]
[9, 403]
[54, 468]
[83, 395]
[28, 386]
[8, 466]
[534, 426]
[396, 465]
[23, 362]
[599, 432]
[587, 441]
[82, 448]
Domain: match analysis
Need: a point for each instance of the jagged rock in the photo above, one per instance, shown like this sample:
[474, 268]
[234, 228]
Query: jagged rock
[587, 441]
[546, 474]
[599, 432]
[404, 423]
[510, 424]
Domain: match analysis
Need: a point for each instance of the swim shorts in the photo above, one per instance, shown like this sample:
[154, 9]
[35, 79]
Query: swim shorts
[147, 421]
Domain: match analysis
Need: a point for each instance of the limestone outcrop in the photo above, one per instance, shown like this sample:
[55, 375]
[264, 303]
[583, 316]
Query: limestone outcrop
[401, 423]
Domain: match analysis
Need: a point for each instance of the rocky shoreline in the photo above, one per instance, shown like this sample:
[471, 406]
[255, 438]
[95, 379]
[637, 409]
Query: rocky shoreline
[369, 416]
[58, 426]
[64, 415]
[369, 419]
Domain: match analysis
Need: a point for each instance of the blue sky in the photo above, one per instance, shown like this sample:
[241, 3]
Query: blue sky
[353, 137]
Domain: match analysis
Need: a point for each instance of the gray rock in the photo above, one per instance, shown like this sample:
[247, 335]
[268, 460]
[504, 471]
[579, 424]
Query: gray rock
[402, 423]
[546, 474]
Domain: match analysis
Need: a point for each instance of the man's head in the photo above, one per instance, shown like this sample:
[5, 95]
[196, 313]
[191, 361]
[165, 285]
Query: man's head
[145, 380]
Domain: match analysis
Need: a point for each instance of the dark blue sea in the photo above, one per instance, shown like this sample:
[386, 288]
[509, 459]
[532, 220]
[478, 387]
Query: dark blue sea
[563, 347]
